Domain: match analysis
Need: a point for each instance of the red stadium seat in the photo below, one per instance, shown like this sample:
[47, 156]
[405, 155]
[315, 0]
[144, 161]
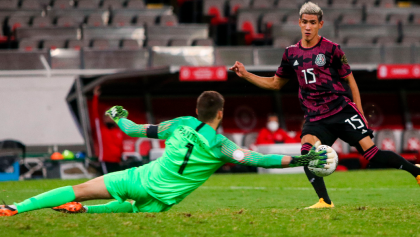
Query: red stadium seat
[387, 3]
[18, 21]
[216, 9]
[168, 20]
[54, 44]
[121, 20]
[77, 44]
[351, 18]
[28, 45]
[66, 21]
[96, 20]
[247, 22]
[40, 21]
[237, 4]
[63, 4]
[269, 19]
[146, 20]
[397, 18]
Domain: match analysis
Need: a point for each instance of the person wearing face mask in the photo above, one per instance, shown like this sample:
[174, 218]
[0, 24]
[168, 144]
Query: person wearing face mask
[107, 136]
[273, 134]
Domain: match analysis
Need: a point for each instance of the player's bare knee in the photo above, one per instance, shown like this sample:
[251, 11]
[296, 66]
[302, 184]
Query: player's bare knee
[308, 138]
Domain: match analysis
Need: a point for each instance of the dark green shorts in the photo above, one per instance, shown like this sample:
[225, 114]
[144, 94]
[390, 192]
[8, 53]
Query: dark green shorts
[126, 184]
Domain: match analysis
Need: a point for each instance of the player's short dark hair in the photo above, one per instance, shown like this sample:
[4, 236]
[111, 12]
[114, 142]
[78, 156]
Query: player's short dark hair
[208, 104]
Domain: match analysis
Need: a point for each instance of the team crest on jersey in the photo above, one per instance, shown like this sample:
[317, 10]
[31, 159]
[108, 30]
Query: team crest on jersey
[320, 60]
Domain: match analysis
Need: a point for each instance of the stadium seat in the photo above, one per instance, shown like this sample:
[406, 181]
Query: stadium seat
[113, 4]
[145, 20]
[28, 44]
[234, 5]
[40, 21]
[66, 21]
[263, 4]
[247, 22]
[411, 141]
[135, 4]
[322, 3]
[342, 3]
[410, 40]
[156, 42]
[387, 40]
[282, 42]
[269, 19]
[352, 18]
[131, 44]
[359, 41]
[396, 18]
[32, 5]
[168, 20]
[387, 3]
[18, 21]
[121, 20]
[63, 4]
[376, 18]
[179, 42]
[203, 42]
[293, 19]
[103, 44]
[54, 44]
[385, 140]
[332, 17]
[367, 3]
[8, 4]
[336, 40]
[216, 9]
[97, 20]
[288, 4]
[77, 44]
[87, 4]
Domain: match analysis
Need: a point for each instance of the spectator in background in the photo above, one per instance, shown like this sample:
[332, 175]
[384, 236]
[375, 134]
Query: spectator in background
[273, 134]
[109, 138]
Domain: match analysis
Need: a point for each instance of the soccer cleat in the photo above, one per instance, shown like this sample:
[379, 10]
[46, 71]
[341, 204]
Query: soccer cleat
[6, 210]
[418, 176]
[71, 207]
[321, 204]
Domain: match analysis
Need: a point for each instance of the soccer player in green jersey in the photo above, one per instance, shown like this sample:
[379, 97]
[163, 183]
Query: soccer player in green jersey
[193, 152]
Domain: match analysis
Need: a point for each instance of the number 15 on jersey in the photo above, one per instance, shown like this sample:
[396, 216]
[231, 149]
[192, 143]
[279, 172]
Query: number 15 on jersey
[309, 75]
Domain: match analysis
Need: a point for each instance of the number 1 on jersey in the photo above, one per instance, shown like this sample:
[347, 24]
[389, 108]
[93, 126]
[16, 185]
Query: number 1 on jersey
[186, 158]
[310, 72]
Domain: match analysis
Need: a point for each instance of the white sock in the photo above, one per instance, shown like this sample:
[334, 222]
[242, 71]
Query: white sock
[12, 206]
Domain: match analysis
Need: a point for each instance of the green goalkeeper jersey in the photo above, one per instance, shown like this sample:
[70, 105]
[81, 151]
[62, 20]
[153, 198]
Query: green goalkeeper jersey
[192, 154]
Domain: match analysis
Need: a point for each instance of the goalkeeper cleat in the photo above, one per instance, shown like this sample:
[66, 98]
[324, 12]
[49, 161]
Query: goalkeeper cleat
[71, 207]
[321, 204]
[6, 210]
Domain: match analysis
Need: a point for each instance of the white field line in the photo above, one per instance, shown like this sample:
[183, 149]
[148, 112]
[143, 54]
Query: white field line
[296, 188]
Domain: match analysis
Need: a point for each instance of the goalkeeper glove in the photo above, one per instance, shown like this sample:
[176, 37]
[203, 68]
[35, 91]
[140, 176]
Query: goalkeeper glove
[320, 159]
[116, 113]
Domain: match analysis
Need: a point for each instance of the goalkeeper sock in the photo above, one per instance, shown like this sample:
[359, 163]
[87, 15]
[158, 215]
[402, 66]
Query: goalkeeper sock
[111, 207]
[317, 182]
[53, 198]
[390, 159]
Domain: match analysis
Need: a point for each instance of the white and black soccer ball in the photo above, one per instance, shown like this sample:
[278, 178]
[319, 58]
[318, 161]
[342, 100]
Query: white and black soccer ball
[322, 172]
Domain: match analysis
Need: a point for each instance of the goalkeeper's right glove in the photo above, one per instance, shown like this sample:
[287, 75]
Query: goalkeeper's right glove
[320, 159]
[116, 113]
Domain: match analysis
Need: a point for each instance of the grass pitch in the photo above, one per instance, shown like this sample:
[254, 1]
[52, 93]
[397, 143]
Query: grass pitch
[368, 203]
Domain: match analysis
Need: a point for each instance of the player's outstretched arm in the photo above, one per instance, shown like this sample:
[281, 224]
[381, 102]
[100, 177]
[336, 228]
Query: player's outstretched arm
[269, 83]
[161, 131]
[232, 153]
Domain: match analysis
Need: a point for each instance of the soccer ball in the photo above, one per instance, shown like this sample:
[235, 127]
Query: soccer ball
[322, 172]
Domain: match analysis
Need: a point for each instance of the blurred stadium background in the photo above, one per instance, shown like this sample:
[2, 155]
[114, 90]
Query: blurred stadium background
[156, 57]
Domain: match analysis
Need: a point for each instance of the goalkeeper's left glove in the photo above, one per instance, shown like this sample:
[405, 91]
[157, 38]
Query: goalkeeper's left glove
[116, 113]
[320, 159]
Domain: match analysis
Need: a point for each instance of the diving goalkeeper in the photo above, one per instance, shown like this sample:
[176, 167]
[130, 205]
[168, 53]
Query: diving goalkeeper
[193, 152]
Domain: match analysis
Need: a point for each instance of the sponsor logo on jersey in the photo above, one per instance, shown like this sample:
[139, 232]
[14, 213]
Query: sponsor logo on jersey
[296, 63]
[320, 60]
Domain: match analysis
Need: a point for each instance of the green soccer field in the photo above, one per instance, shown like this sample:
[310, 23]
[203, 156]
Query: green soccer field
[367, 203]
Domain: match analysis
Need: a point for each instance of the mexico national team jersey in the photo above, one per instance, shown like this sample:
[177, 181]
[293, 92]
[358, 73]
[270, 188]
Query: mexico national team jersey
[320, 71]
[192, 154]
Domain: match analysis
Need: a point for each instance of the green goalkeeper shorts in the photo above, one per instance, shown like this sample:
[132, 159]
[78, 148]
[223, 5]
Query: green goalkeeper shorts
[126, 184]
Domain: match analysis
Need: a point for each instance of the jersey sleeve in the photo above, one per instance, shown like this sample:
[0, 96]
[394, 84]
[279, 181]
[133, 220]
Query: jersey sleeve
[340, 63]
[232, 153]
[285, 70]
[161, 131]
